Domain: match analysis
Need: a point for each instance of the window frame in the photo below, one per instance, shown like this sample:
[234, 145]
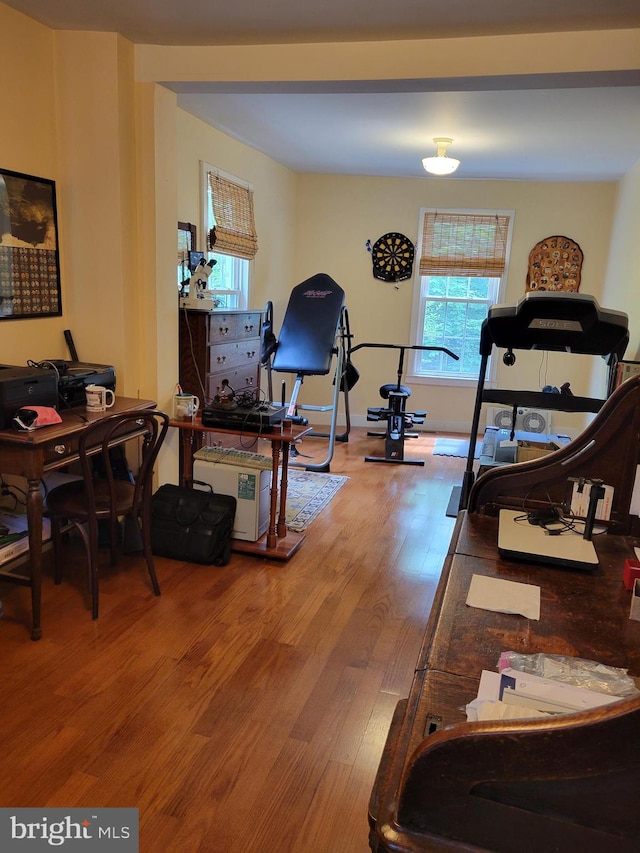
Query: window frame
[242, 268]
[417, 312]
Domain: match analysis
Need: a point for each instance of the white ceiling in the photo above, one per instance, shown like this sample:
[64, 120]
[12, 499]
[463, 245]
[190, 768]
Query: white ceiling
[582, 127]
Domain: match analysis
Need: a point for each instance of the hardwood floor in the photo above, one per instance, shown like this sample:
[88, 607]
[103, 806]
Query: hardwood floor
[247, 707]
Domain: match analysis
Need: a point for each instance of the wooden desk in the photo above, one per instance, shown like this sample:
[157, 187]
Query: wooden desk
[32, 454]
[278, 542]
[567, 782]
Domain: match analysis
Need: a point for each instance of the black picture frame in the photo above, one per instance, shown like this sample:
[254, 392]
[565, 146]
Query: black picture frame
[29, 252]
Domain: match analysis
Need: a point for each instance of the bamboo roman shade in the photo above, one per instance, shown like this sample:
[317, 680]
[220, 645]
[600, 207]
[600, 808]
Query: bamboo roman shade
[464, 244]
[234, 232]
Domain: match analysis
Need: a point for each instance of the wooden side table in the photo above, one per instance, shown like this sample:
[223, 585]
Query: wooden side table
[278, 542]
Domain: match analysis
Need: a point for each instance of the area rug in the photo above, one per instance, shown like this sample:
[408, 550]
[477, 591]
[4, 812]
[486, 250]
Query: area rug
[308, 493]
[453, 447]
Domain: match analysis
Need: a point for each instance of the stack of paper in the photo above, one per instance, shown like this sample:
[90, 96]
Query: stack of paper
[513, 694]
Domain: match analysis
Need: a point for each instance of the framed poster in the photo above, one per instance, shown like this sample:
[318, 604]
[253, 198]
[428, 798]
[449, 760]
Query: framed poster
[29, 259]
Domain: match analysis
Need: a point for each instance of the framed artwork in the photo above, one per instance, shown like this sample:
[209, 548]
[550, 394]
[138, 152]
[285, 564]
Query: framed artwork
[555, 263]
[186, 253]
[29, 258]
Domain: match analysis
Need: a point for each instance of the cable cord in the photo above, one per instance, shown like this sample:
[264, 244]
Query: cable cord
[194, 362]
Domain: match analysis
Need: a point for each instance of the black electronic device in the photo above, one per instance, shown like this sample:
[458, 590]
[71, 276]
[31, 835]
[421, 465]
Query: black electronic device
[548, 320]
[259, 418]
[74, 376]
[24, 387]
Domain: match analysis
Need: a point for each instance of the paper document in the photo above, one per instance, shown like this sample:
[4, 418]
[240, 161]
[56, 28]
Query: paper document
[544, 694]
[487, 705]
[504, 596]
[485, 709]
[634, 509]
[512, 695]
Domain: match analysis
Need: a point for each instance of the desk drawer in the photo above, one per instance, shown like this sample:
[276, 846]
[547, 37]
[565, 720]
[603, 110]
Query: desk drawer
[61, 451]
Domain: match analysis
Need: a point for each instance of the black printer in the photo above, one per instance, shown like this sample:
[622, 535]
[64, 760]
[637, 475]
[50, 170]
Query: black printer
[74, 376]
[23, 387]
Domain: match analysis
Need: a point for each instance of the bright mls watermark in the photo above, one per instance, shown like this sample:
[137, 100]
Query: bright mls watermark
[103, 830]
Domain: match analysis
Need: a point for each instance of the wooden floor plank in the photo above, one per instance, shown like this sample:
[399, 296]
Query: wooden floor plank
[246, 708]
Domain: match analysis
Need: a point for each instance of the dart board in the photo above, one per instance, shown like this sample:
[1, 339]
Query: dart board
[392, 257]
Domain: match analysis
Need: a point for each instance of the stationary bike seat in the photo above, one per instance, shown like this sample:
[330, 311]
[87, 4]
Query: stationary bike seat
[386, 389]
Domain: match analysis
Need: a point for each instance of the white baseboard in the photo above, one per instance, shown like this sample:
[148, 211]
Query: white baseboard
[430, 425]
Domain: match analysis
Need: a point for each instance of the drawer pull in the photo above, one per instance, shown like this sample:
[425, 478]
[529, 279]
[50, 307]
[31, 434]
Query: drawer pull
[249, 328]
[224, 330]
[60, 449]
[251, 353]
[221, 359]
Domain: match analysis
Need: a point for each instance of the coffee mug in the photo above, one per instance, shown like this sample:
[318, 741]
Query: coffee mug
[99, 399]
[185, 406]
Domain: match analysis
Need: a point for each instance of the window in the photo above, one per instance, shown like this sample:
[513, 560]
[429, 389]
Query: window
[460, 273]
[230, 235]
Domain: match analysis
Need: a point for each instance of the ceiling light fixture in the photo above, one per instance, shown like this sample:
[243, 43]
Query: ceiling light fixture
[441, 164]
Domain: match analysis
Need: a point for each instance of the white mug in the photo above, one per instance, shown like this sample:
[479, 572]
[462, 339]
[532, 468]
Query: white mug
[185, 406]
[99, 399]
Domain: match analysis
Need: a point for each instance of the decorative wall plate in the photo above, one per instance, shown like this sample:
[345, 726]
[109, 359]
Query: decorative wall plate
[555, 263]
[392, 257]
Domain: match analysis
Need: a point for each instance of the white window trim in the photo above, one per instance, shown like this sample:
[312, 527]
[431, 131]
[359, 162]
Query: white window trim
[490, 380]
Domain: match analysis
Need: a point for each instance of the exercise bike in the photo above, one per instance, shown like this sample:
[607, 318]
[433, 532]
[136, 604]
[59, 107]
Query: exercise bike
[398, 419]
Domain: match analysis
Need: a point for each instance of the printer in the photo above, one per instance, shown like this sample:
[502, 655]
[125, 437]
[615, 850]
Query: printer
[74, 376]
[23, 387]
[54, 382]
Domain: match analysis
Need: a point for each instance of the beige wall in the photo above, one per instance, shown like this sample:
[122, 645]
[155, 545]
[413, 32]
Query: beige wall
[622, 280]
[406, 60]
[81, 111]
[346, 211]
[349, 211]
[275, 192]
[28, 144]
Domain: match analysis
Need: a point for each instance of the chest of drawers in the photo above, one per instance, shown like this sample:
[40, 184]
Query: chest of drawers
[217, 346]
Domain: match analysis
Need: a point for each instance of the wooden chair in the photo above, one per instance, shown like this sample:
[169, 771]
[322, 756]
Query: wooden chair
[87, 501]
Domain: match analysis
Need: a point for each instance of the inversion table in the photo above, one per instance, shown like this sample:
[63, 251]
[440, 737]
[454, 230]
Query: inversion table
[313, 331]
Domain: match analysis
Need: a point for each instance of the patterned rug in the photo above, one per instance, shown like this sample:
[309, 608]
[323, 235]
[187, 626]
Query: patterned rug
[308, 493]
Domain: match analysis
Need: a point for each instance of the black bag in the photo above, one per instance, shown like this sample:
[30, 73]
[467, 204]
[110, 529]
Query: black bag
[192, 525]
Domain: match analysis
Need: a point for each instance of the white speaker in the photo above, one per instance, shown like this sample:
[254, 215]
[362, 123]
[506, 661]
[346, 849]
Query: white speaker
[528, 420]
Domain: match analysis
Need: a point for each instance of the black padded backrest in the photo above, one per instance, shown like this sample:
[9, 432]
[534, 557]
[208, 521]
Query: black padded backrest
[307, 338]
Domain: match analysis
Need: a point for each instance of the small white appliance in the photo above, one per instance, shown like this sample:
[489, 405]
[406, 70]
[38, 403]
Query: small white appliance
[251, 487]
[529, 420]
